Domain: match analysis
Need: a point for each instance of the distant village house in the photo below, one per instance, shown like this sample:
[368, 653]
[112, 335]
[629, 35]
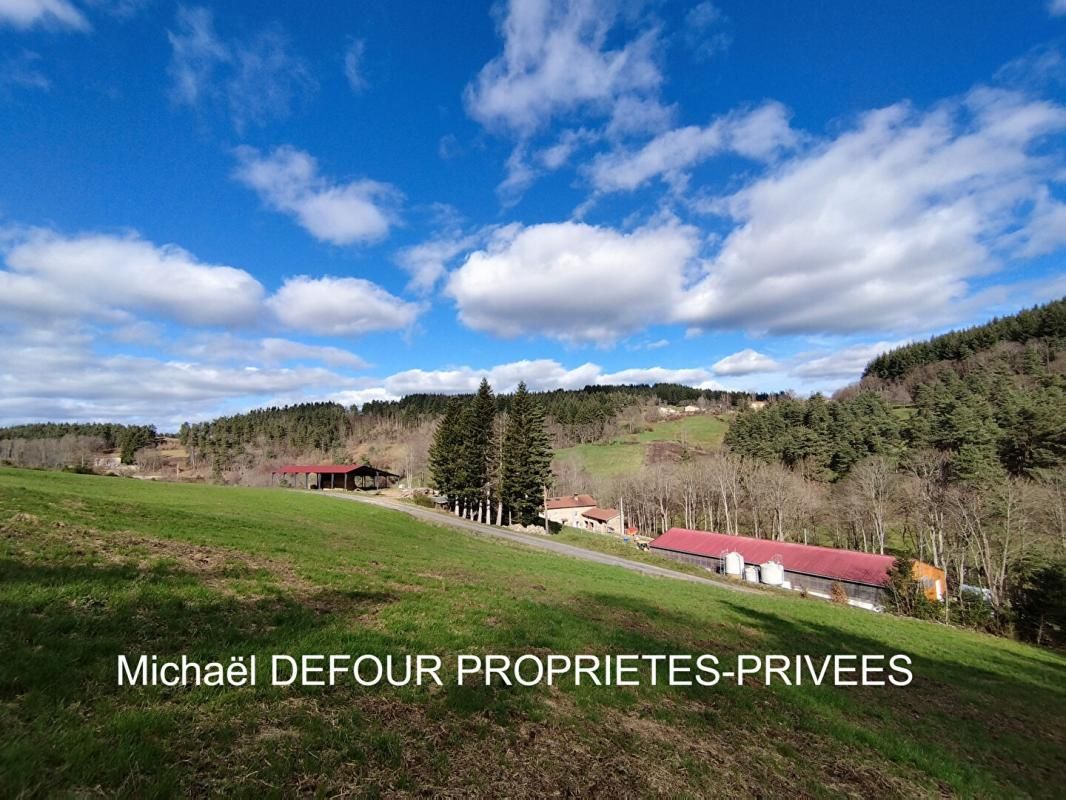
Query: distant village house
[583, 512]
[568, 510]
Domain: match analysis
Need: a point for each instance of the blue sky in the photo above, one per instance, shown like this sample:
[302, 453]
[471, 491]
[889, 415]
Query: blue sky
[206, 208]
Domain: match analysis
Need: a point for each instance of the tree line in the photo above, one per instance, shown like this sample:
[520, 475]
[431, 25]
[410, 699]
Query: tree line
[1004, 414]
[492, 464]
[327, 430]
[952, 451]
[49, 444]
[1045, 322]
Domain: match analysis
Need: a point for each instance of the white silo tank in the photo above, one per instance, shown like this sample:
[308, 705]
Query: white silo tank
[734, 564]
[751, 573]
[773, 573]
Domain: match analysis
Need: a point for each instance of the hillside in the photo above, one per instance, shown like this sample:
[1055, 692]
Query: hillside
[1042, 326]
[667, 440]
[94, 566]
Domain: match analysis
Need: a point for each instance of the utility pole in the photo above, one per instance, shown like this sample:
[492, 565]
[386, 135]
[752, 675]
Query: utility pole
[547, 528]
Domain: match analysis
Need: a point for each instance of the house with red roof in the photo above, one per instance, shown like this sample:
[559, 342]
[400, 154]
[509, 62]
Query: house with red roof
[567, 509]
[602, 520]
[790, 565]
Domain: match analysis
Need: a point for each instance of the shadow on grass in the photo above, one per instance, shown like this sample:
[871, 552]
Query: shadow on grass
[969, 719]
[63, 625]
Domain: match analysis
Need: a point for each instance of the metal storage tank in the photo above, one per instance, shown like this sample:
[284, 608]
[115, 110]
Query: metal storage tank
[734, 564]
[751, 573]
[773, 573]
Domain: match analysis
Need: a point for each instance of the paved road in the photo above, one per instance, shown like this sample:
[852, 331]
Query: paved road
[531, 540]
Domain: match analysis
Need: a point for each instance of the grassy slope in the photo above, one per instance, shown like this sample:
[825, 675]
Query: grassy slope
[626, 453]
[92, 567]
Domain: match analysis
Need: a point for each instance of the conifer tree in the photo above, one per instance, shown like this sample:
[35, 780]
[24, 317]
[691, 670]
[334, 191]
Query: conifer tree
[478, 426]
[444, 452]
[527, 455]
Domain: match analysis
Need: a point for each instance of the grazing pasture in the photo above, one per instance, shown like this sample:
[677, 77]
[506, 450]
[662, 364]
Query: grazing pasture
[92, 567]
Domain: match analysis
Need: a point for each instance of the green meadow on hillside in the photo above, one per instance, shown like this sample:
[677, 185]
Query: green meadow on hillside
[92, 567]
[625, 453]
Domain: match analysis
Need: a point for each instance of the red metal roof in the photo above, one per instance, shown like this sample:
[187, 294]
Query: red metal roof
[317, 469]
[571, 501]
[601, 514]
[825, 562]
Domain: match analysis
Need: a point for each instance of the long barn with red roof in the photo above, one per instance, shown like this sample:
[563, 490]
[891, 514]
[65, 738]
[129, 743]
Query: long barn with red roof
[802, 567]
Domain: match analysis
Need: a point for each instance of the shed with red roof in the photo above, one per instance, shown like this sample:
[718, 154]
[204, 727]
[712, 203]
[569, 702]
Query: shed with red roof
[337, 476]
[806, 567]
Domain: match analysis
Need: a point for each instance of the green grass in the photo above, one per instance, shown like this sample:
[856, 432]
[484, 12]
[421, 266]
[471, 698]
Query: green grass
[93, 567]
[703, 430]
[626, 452]
[605, 460]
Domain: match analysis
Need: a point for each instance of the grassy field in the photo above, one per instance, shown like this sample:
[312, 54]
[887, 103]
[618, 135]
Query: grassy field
[627, 452]
[93, 567]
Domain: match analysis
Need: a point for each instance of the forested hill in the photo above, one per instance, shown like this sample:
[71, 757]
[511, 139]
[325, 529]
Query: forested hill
[1044, 324]
[990, 400]
[76, 438]
[570, 405]
[583, 415]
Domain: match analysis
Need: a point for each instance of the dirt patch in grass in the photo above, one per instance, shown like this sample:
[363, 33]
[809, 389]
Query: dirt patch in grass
[663, 453]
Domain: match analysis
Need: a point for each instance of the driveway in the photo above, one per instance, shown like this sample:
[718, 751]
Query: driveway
[531, 540]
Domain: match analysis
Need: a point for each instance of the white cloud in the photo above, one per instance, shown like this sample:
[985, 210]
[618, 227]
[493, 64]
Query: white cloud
[704, 31]
[56, 374]
[341, 213]
[656, 344]
[694, 376]
[25, 14]
[267, 80]
[759, 134]
[255, 80]
[634, 115]
[285, 350]
[845, 363]
[271, 351]
[357, 397]
[1046, 230]
[427, 262]
[557, 59]
[340, 306]
[353, 66]
[745, 362]
[539, 375]
[573, 282]
[22, 71]
[196, 53]
[117, 279]
[556, 155]
[109, 277]
[882, 227]
[1056, 8]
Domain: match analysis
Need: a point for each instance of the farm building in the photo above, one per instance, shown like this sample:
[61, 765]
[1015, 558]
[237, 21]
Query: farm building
[795, 566]
[602, 520]
[568, 510]
[336, 476]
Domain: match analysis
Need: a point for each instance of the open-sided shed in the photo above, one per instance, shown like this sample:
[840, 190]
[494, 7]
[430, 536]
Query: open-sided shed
[338, 476]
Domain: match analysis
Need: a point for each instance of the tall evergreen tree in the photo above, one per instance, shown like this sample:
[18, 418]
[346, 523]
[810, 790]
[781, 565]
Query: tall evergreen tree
[527, 456]
[478, 427]
[444, 452]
